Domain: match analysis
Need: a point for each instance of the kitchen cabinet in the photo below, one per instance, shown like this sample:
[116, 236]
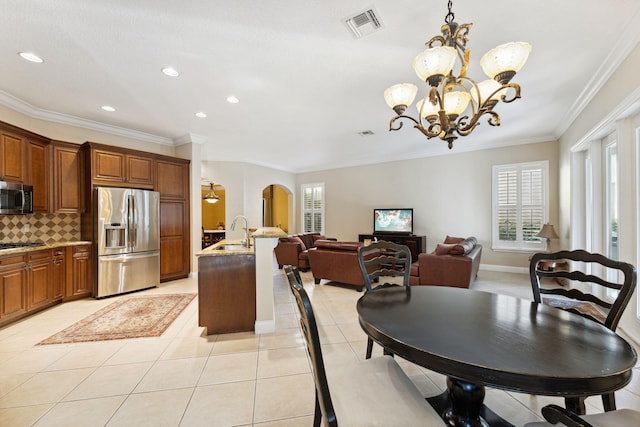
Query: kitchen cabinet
[13, 288]
[67, 178]
[12, 158]
[110, 166]
[39, 276]
[38, 173]
[172, 183]
[79, 282]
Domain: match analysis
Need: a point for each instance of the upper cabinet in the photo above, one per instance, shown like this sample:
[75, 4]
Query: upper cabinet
[67, 178]
[12, 158]
[39, 173]
[113, 166]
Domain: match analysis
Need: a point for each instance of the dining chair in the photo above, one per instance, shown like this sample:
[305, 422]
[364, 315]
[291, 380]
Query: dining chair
[607, 286]
[555, 414]
[372, 392]
[393, 261]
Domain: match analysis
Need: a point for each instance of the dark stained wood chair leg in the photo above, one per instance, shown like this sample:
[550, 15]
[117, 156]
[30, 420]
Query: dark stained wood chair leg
[317, 415]
[609, 402]
[369, 348]
[575, 405]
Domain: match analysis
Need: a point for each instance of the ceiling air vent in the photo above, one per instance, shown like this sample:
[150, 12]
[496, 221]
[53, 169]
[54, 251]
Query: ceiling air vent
[363, 23]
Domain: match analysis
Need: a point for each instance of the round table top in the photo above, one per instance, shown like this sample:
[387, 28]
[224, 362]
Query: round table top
[498, 340]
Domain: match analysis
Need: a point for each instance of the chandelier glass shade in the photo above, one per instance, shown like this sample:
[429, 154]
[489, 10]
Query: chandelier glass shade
[454, 104]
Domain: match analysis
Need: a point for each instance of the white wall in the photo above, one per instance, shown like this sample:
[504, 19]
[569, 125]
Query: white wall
[449, 194]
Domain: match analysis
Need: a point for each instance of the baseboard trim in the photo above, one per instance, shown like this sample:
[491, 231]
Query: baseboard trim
[504, 268]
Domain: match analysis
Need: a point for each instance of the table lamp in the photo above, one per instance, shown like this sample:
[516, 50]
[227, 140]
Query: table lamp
[547, 232]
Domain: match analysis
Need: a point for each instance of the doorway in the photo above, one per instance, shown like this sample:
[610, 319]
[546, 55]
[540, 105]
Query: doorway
[276, 207]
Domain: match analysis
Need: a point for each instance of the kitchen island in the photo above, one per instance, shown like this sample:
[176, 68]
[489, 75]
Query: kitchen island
[227, 288]
[235, 284]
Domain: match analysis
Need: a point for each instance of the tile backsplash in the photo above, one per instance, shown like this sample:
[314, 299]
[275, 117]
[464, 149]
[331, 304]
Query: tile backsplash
[47, 228]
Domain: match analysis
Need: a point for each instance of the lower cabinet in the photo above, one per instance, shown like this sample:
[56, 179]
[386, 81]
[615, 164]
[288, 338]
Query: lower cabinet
[78, 275]
[33, 281]
[13, 288]
[39, 278]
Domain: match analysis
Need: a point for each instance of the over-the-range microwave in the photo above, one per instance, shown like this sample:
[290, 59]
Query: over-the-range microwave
[15, 198]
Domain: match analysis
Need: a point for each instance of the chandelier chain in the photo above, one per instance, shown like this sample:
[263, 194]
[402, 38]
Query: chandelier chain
[450, 16]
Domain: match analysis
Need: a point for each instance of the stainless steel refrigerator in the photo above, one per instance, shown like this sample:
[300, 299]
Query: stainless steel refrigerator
[128, 227]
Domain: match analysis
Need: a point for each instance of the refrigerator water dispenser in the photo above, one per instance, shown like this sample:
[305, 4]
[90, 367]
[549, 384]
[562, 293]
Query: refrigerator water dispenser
[115, 236]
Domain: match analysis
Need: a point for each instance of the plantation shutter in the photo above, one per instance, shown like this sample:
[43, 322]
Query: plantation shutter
[520, 205]
[313, 208]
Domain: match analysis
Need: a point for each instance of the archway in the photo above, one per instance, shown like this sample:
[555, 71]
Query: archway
[276, 207]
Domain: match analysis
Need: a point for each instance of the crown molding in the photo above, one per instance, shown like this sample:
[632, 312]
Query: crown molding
[29, 110]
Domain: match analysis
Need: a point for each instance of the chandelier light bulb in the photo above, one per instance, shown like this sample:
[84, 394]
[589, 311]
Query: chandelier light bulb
[487, 88]
[426, 109]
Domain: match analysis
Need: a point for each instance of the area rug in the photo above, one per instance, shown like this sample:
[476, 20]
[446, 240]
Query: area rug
[129, 317]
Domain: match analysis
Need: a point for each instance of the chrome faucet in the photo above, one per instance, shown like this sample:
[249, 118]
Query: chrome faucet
[246, 242]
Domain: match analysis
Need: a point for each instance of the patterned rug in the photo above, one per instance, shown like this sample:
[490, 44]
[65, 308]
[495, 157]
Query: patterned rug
[129, 317]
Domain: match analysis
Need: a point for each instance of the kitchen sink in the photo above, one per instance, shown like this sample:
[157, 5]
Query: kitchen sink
[232, 248]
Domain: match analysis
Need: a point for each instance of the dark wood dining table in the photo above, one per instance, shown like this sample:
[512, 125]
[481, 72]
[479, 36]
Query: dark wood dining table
[480, 339]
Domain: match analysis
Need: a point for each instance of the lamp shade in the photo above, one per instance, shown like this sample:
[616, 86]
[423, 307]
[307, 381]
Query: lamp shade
[456, 102]
[436, 61]
[486, 88]
[506, 57]
[426, 109]
[547, 232]
[400, 94]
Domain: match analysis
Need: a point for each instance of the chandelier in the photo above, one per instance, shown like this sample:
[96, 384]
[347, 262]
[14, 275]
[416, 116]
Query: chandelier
[454, 104]
[211, 196]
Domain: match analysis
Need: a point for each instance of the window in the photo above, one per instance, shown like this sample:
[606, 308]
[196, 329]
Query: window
[313, 208]
[520, 205]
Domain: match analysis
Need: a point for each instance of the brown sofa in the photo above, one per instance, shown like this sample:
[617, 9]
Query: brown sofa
[455, 262]
[292, 250]
[338, 262]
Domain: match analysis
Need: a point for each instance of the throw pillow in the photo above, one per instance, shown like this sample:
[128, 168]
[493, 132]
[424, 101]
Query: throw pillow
[318, 237]
[444, 248]
[454, 240]
[464, 247]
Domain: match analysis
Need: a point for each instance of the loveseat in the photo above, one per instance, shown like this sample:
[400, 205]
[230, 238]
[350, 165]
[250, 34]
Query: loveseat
[292, 250]
[455, 263]
[338, 262]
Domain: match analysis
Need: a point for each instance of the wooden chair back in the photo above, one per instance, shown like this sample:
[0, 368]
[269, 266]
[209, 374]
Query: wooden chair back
[604, 274]
[324, 406]
[394, 260]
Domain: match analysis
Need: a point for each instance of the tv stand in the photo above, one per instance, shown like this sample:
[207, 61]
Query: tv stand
[416, 244]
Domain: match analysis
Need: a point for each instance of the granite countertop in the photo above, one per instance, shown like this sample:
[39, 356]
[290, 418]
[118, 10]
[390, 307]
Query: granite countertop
[45, 246]
[216, 249]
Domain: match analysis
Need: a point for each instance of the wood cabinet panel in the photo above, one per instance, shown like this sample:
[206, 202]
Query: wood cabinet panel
[79, 283]
[58, 273]
[174, 261]
[39, 277]
[67, 178]
[38, 159]
[13, 290]
[108, 166]
[172, 218]
[12, 158]
[172, 179]
[140, 170]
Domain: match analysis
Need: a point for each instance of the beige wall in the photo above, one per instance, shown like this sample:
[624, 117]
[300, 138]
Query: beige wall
[449, 194]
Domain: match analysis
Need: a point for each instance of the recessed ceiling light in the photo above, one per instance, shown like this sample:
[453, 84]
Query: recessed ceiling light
[201, 114]
[170, 71]
[108, 108]
[31, 57]
[232, 99]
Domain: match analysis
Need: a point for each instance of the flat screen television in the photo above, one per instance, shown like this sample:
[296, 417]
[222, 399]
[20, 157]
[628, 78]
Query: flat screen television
[398, 221]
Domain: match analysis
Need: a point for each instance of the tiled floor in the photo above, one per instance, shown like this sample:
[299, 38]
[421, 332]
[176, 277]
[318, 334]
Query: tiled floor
[186, 378]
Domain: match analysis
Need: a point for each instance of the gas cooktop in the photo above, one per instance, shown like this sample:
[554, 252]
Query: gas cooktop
[20, 245]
